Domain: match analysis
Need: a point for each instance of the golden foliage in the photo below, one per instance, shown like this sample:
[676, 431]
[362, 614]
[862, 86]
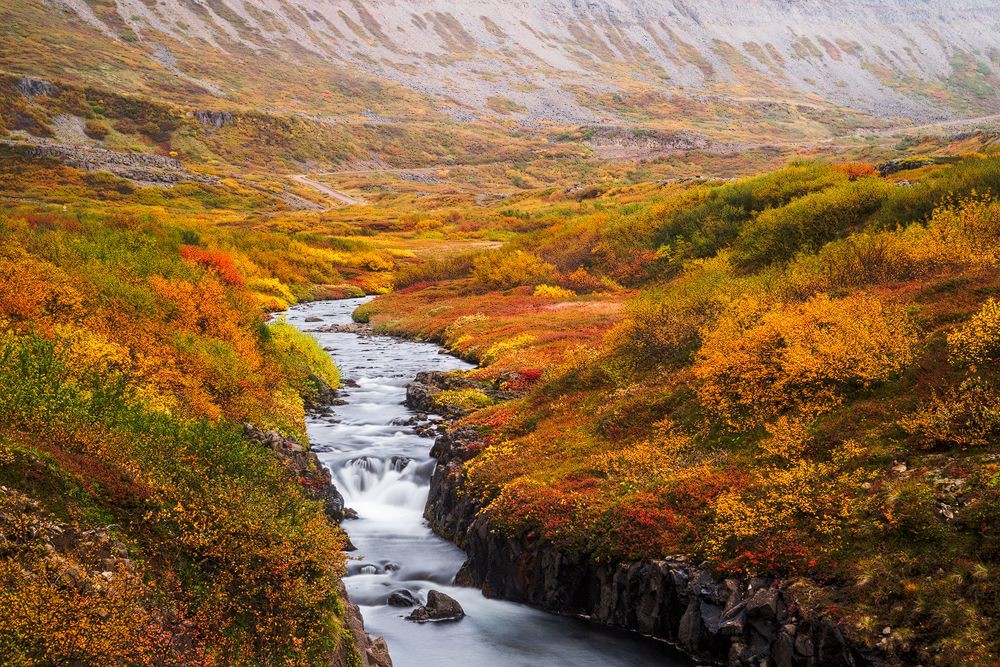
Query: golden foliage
[757, 363]
[978, 340]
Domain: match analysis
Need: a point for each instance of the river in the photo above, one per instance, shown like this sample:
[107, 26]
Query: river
[383, 469]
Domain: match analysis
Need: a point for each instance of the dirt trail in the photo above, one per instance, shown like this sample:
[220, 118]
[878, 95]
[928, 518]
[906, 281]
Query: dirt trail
[344, 199]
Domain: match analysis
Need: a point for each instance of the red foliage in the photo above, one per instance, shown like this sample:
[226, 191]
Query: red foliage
[220, 262]
[856, 170]
[522, 380]
[51, 221]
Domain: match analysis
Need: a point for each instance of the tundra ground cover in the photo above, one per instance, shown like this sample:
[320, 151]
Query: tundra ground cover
[823, 408]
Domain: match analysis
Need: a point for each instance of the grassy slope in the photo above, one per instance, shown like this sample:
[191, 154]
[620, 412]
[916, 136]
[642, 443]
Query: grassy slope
[140, 525]
[791, 392]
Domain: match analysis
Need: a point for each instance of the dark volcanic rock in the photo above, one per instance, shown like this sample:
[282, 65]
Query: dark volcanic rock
[316, 479]
[36, 87]
[730, 621]
[215, 119]
[372, 651]
[448, 512]
[439, 607]
[402, 598]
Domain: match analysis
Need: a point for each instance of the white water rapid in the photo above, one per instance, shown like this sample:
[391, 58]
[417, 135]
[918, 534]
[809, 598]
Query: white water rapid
[383, 469]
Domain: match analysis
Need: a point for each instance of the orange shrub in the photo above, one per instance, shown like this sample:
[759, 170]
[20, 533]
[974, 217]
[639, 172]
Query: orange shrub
[757, 363]
[216, 260]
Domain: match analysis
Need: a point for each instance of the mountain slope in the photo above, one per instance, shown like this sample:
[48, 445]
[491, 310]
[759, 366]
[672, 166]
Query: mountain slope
[573, 61]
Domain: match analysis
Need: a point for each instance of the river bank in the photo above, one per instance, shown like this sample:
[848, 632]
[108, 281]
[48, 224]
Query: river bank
[733, 621]
[382, 466]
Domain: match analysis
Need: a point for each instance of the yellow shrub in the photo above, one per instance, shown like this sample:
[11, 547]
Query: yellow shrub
[968, 415]
[468, 398]
[816, 501]
[977, 341]
[756, 364]
[504, 270]
[553, 292]
[499, 350]
[272, 293]
[966, 232]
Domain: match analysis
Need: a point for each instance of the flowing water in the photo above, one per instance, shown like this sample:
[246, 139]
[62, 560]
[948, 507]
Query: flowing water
[383, 469]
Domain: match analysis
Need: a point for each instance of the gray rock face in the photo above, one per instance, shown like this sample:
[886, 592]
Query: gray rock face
[834, 50]
[36, 87]
[439, 607]
[142, 168]
[214, 119]
[371, 651]
[733, 621]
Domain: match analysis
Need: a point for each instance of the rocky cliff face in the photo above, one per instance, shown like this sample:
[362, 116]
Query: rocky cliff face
[733, 621]
[549, 58]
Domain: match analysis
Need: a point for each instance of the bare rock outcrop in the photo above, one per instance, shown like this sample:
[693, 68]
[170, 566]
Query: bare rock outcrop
[140, 168]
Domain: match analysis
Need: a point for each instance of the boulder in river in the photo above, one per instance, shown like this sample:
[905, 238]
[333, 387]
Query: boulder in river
[439, 607]
[402, 598]
[314, 319]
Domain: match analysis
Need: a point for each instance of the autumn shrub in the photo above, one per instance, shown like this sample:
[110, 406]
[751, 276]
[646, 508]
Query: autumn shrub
[272, 294]
[500, 270]
[216, 260]
[310, 369]
[581, 280]
[505, 347]
[917, 202]
[466, 399]
[808, 223]
[977, 341]
[964, 416]
[797, 516]
[553, 292]
[435, 269]
[965, 231]
[96, 129]
[856, 170]
[250, 564]
[756, 363]
[663, 325]
[711, 219]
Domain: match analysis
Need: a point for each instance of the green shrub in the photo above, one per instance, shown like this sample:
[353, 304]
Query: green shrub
[310, 369]
[808, 223]
[712, 219]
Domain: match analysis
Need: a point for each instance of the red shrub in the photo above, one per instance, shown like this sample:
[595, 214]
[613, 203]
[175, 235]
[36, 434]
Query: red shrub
[220, 262]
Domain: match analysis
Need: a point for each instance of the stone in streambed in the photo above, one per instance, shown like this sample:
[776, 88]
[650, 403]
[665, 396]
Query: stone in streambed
[439, 607]
[314, 319]
[402, 598]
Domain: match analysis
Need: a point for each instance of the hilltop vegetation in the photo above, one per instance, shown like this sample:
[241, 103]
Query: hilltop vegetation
[793, 374]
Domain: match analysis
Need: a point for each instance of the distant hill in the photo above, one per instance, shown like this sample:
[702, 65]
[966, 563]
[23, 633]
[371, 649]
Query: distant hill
[805, 68]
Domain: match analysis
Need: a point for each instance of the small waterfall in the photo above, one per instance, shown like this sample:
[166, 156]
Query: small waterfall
[395, 481]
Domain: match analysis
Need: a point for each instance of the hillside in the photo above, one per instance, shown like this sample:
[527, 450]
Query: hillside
[810, 65]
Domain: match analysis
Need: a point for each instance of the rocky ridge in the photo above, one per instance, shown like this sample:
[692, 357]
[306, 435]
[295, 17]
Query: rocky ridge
[140, 168]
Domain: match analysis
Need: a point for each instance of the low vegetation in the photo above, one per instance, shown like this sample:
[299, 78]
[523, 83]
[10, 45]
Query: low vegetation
[794, 374]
